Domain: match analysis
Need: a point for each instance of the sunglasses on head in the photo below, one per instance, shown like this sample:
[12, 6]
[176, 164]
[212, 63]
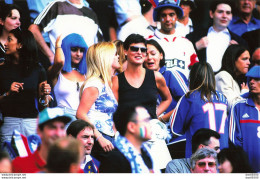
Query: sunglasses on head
[136, 49]
[75, 49]
[203, 164]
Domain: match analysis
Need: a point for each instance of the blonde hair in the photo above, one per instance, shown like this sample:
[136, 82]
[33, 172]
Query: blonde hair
[100, 57]
[120, 50]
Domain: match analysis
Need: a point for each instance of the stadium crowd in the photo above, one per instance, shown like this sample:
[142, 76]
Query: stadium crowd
[130, 86]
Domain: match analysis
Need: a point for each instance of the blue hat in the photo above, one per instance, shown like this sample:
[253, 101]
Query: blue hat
[254, 72]
[51, 114]
[167, 3]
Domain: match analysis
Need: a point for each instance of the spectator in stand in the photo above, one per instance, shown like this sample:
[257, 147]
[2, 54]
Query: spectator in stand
[179, 52]
[184, 24]
[256, 57]
[244, 120]
[244, 21]
[131, 154]
[234, 160]
[23, 85]
[84, 132]
[201, 138]
[78, 19]
[217, 36]
[253, 39]
[9, 20]
[5, 162]
[97, 102]
[67, 74]
[230, 79]
[51, 126]
[204, 161]
[122, 59]
[65, 156]
[202, 107]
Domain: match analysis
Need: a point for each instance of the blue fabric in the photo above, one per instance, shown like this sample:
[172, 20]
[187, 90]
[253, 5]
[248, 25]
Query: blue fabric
[244, 121]
[74, 40]
[238, 26]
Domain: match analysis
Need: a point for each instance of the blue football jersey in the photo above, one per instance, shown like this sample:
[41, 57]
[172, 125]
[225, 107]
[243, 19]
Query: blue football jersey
[193, 113]
[244, 129]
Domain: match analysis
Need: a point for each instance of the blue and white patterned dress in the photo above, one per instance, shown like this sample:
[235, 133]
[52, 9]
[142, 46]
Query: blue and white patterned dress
[101, 112]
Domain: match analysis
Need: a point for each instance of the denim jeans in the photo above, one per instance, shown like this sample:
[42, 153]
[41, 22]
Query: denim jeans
[26, 126]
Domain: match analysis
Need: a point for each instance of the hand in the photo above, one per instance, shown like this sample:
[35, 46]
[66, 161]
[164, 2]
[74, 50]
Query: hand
[202, 43]
[16, 87]
[244, 86]
[58, 41]
[105, 144]
[45, 88]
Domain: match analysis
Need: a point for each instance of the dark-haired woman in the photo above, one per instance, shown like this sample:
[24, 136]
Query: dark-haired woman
[9, 20]
[231, 80]
[140, 86]
[201, 107]
[23, 85]
[234, 160]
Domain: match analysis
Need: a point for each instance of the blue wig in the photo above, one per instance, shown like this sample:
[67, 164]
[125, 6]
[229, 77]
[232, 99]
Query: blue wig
[74, 40]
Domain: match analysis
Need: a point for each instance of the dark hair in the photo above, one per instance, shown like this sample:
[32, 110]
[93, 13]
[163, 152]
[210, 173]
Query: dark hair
[230, 56]
[133, 38]
[202, 79]
[28, 54]
[238, 159]
[64, 152]
[76, 126]
[189, 3]
[159, 48]
[6, 11]
[122, 116]
[215, 3]
[145, 6]
[202, 136]
[4, 154]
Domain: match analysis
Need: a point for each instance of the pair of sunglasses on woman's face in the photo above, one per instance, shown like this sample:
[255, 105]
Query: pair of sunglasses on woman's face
[136, 49]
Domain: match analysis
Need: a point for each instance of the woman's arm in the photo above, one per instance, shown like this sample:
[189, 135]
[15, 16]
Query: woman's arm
[59, 60]
[164, 93]
[44, 93]
[89, 96]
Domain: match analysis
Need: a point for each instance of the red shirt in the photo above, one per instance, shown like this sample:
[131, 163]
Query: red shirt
[30, 164]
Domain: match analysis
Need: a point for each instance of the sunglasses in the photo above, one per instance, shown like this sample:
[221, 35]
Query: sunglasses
[75, 49]
[136, 49]
[203, 164]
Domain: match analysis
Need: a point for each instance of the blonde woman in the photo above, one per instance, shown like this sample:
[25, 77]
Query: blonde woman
[97, 103]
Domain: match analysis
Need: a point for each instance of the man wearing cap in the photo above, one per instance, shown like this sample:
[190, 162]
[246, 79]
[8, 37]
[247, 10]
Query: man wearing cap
[184, 25]
[244, 120]
[51, 126]
[211, 43]
[179, 52]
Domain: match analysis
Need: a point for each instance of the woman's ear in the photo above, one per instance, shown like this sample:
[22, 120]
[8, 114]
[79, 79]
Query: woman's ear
[1, 21]
[19, 46]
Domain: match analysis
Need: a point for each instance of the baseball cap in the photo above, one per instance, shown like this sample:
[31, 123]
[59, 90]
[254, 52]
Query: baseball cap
[51, 114]
[167, 3]
[254, 72]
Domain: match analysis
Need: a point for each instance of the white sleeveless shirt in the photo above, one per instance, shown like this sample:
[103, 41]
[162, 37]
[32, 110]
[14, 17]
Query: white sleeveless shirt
[67, 92]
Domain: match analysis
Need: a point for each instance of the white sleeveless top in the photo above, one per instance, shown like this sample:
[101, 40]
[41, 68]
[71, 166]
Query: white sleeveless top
[67, 92]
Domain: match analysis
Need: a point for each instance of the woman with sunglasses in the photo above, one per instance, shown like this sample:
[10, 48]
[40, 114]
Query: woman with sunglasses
[9, 20]
[67, 74]
[140, 86]
[23, 85]
[97, 101]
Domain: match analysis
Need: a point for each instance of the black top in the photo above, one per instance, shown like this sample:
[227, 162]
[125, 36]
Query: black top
[23, 104]
[116, 162]
[145, 95]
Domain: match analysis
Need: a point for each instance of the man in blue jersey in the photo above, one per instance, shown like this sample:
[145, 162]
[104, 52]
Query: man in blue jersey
[201, 107]
[244, 120]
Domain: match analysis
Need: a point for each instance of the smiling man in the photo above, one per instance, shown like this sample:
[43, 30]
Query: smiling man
[211, 43]
[84, 132]
[179, 52]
